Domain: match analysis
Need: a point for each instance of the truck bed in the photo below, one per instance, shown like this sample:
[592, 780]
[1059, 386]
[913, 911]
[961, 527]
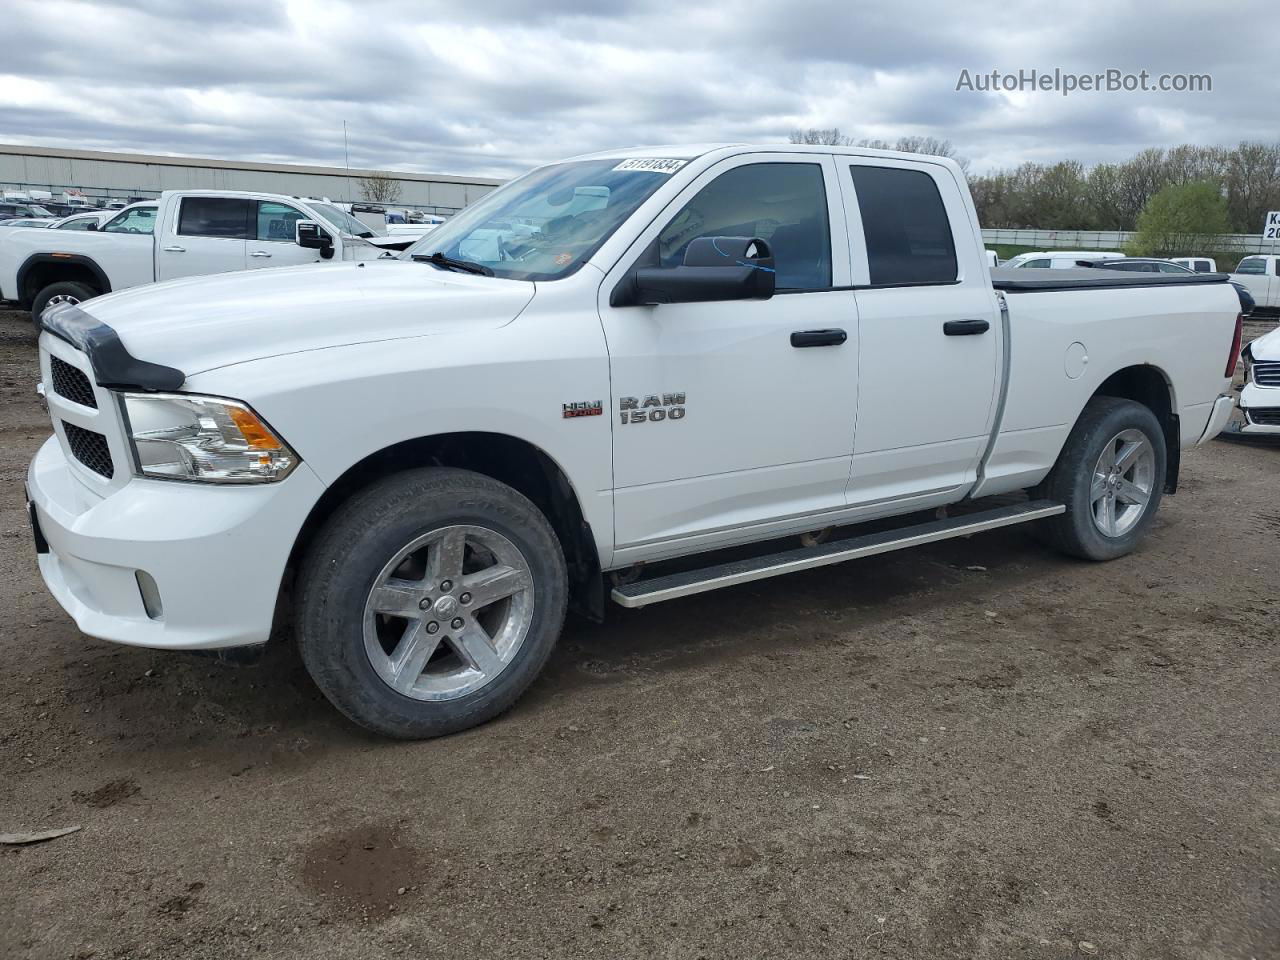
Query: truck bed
[1036, 279]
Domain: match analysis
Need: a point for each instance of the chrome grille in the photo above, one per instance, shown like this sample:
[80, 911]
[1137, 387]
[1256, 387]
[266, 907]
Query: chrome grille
[90, 448]
[70, 382]
[1266, 373]
[1265, 417]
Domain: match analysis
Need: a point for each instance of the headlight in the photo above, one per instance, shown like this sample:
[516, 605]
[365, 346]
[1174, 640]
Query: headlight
[179, 436]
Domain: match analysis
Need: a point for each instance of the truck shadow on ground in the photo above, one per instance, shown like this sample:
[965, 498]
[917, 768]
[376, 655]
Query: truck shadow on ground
[795, 611]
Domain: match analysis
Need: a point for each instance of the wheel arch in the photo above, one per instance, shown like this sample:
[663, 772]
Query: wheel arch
[41, 269]
[519, 464]
[1151, 386]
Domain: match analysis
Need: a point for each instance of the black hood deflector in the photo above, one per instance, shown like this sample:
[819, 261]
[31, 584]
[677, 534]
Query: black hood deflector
[113, 365]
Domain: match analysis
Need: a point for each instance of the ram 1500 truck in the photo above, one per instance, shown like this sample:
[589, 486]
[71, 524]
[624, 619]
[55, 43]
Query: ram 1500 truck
[186, 233]
[631, 376]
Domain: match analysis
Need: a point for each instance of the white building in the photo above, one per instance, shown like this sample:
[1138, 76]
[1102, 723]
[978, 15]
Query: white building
[104, 176]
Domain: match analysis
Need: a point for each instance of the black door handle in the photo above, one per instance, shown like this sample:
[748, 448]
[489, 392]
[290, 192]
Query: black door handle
[818, 338]
[965, 328]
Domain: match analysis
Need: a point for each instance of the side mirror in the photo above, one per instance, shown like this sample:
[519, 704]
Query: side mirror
[714, 268]
[312, 236]
[92, 226]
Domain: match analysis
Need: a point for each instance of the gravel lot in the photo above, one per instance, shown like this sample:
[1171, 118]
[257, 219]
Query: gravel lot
[974, 750]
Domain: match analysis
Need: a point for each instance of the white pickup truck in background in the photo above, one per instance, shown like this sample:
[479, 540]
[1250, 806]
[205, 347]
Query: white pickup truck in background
[667, 365]
[185, 233]
[1261, 276]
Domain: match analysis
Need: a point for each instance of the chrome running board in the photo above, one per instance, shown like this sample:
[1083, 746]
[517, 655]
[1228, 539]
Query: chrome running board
[672, 586]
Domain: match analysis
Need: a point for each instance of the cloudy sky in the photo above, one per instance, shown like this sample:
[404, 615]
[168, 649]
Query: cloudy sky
[495, 86]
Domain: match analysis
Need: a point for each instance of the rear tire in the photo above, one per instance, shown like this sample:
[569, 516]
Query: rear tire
[430, 601]
[1110, 475]
[67, 291]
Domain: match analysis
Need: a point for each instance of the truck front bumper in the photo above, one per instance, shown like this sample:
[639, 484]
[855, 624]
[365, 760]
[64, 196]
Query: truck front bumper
[1261, 409]
[215, 554]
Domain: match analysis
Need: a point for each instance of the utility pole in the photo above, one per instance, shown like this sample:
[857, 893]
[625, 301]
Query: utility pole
[346, 153]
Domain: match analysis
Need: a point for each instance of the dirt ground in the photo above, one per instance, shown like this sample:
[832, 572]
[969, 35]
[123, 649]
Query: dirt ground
[978, 750]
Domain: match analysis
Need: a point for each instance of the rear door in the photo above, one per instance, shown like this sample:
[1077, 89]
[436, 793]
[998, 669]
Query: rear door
[272, 240]
[928, 332]
[203, 235]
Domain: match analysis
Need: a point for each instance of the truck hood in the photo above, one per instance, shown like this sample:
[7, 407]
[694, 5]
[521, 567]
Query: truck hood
[1266, 347]
[200, 323]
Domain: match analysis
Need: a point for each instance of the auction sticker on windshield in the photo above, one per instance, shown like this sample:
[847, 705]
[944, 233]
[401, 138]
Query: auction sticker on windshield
[651, 164]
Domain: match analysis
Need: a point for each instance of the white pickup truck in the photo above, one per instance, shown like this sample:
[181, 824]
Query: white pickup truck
[186, 233]
[1261, 276]
[419, 462]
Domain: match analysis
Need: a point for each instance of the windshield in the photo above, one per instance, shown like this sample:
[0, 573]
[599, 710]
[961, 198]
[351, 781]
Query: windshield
[544, 225]
[340, 221]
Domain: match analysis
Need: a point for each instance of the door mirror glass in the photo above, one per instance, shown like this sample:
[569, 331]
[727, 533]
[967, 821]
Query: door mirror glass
[713, 268]
[312, 236]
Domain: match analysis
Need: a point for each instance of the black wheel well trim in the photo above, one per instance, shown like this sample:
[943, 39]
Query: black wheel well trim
[36, 259]
[515, 461]
[1150, 386]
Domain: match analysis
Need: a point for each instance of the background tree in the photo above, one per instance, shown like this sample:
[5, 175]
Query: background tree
[1252, 180]
[832, 137]
[380, 188]
[1181, 218]
[1066, 195]
[816, 136]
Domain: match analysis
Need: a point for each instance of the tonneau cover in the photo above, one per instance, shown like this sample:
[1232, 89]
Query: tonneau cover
[1039, 279]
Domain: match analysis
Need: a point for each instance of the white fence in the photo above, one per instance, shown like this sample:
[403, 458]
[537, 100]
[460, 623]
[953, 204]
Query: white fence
[1116, 240]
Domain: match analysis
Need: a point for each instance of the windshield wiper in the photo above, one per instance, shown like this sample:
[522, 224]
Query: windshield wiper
[438, 259]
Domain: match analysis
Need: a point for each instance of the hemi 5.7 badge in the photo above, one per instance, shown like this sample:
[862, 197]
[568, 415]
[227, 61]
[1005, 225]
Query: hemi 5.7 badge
[584, 408]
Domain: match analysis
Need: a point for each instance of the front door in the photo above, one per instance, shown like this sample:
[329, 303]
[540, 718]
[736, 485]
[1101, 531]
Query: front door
[719, 422]
[928, 331]
[272, 236]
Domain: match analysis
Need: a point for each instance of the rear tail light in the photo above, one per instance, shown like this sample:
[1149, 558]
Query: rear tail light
[1235, 346]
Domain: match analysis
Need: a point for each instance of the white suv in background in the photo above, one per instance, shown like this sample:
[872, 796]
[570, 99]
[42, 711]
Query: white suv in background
[1198, 264]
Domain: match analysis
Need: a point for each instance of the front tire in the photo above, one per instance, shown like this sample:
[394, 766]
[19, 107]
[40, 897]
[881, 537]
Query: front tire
[430, 602]
[1110, 475]
[68, 291]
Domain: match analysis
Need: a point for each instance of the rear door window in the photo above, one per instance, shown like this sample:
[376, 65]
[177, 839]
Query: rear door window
[225, 217]
[907, 232]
